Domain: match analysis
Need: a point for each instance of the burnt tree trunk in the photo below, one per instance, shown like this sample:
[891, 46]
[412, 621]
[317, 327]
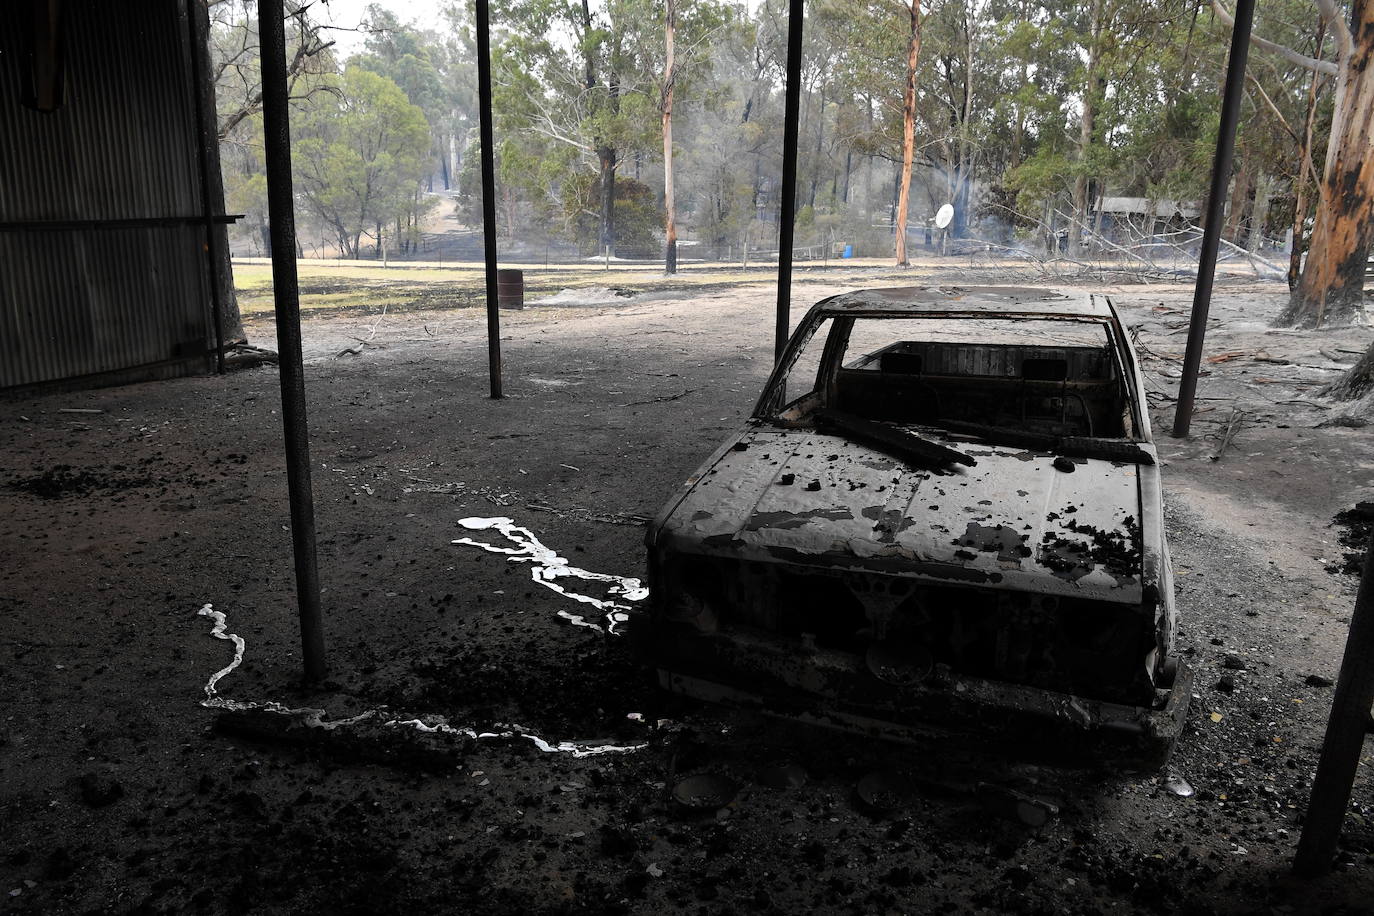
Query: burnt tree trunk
[1357, 382]
[816, 160]
[230, 317]
[1233, 225]
[605, 151]
[958, 228]
[1331, 288]
[868, 172]
[1305, 171]
[913, 53]
[1259, 212]
[605, 156]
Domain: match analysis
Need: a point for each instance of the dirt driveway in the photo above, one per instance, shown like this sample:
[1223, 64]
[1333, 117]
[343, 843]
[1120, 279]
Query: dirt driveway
[510, 760]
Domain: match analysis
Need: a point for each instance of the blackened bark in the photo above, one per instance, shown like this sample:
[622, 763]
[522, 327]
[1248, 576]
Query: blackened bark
[1331, 288]
[1357, 382]
[231, 318]
[958, 229]
[606, 157]
[1305, 174]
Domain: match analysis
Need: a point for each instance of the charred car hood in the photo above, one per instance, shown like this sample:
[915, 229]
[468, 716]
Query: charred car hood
[1014, 519]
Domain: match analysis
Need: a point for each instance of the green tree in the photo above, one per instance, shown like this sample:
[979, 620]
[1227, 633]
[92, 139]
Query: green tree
[359, 159]
[433, 72]
[595, 92]
[728, 140]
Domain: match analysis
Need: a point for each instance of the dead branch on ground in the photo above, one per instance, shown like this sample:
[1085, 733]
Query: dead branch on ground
[364, 342]
[1232, 427]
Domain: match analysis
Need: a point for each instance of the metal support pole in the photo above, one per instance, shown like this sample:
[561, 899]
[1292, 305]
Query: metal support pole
[1345, 732]
[791, 122]
[488, 195]
[1216, 198]
[286, 292]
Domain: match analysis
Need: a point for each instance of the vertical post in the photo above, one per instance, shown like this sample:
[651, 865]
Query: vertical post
[1216, 199]
[286, 292]
[1345, 732]
[791, 122]
[488, 195]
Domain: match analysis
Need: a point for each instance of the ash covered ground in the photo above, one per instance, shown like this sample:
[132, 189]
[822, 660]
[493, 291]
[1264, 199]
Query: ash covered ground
[120, 792]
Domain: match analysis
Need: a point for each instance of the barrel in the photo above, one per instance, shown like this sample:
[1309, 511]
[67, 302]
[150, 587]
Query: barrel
[510, 288]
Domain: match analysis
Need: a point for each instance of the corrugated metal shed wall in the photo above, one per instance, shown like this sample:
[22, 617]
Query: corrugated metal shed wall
[85, 300]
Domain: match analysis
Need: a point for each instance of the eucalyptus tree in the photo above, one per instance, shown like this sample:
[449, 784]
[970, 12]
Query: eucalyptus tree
[868, 42]
[235, 56]
[690, 28]
[235, 72]
[359, 158]
[1330, 289]
[728, 141]
[574, 74]
[1042, 54]
[1022, 84]
[431, 70]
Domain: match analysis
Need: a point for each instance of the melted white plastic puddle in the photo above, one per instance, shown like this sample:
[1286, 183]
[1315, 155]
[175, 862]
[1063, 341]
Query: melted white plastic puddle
[315, 718]
[576, 748]
[548, 567]
[308, 715]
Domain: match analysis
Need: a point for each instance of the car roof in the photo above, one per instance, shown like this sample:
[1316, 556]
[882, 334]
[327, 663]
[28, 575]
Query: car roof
[968, 301]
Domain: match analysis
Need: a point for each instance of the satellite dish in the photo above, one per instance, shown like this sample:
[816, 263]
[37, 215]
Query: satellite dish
[944, 216]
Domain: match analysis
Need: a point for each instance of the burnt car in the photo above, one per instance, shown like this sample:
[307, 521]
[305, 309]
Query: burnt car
[944, 515]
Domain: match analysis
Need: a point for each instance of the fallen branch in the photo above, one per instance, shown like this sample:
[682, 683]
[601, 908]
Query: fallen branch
[1254, 258]
[247, 356]
[363, 342]
[355, 351]
[663, 399]
[1141, 347]
[1232, 427]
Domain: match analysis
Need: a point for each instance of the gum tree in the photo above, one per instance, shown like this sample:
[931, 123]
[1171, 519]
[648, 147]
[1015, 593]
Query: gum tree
[1330, 289]
[359, 160]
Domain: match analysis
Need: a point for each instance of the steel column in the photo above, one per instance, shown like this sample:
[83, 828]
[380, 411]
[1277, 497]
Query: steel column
[1216, 199]
[791, 122]
[1345, 733]
[286, 292]
[483, 26]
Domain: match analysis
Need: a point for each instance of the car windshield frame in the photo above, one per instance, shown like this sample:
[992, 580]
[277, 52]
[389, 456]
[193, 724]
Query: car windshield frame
[773, 401]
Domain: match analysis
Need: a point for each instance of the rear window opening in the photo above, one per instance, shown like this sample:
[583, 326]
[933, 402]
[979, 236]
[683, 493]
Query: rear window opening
[1038, 376]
